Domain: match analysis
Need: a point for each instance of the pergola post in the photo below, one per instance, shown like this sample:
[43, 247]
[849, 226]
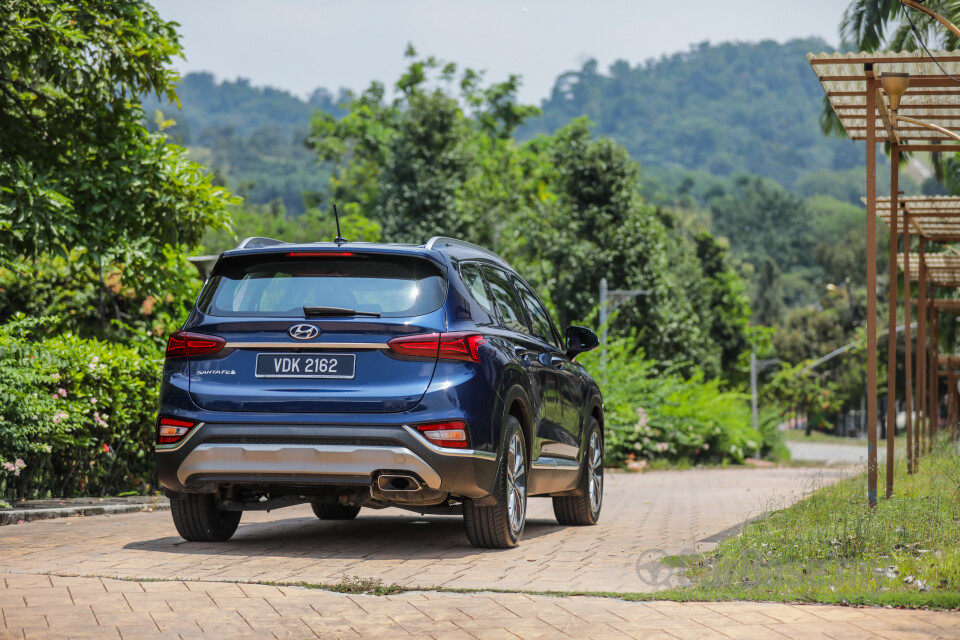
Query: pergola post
[908, 338]
[933, 413]
[892, 316]
[871, 89]
[951, 397]
[892, 320]
[921, 337]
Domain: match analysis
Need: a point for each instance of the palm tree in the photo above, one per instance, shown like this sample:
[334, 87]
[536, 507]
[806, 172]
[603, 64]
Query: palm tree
[871, 25]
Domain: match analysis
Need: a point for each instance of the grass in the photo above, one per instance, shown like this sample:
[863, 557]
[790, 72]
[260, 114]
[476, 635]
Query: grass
[833, 548]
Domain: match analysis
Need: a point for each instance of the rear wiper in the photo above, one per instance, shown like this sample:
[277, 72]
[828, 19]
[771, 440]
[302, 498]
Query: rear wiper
[338, 311]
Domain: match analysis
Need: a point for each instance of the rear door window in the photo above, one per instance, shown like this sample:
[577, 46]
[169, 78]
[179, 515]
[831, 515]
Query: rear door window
[281, 286]
[511, 311]
[539, 319]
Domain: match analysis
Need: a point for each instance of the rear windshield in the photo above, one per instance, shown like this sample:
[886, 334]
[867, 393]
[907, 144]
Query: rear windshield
[393, 286]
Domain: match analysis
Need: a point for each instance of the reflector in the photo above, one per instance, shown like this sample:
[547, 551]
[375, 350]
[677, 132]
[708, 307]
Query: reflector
[451, 434]
[172, 430]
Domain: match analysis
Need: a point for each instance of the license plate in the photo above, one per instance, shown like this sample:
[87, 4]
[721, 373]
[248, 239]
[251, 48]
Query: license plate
[307, 365]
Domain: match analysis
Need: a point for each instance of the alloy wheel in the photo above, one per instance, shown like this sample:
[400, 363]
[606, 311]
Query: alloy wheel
[595, 472]
[516, 483]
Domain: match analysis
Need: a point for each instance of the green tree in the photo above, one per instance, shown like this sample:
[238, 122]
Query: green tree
[566, 208]
[78, 167]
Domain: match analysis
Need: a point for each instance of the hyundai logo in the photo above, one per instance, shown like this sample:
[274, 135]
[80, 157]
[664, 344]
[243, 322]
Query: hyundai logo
[304, 331]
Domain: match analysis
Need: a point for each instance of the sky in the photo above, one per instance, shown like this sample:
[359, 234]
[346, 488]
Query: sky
[299, 45]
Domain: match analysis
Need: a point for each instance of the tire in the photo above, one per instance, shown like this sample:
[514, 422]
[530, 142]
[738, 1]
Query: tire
[500, 526]
[198, 519]
[584, 509]
[335, 510]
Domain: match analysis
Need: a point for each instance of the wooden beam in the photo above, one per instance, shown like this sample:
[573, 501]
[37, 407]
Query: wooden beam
[903, 107]
[908, 92]
[892, 137]
[932, 148]
[946, 305]
[915, 81]
[932, 116]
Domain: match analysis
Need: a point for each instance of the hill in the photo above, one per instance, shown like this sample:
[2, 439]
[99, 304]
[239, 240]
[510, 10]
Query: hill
[727, 109]
[251, 137]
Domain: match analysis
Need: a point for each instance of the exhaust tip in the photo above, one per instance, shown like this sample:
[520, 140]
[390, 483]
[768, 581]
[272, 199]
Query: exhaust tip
[395, 482]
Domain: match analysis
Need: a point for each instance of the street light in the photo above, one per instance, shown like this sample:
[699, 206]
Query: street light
[614, 299]
[756, 366]
[894, 85]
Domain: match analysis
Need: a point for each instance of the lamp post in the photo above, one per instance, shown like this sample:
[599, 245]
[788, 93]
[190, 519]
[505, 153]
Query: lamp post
[609, 301]
[756, 366]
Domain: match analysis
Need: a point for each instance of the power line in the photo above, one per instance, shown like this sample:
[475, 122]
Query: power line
[916, 32]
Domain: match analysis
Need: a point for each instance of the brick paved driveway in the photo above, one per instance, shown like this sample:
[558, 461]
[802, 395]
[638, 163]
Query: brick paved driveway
[54, 607]
[179, 590]
[644, 516]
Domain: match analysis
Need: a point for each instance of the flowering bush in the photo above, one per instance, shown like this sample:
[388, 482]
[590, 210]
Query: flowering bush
[76, 415]
[653, 415]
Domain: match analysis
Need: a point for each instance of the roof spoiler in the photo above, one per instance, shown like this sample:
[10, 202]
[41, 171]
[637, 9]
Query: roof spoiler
[257, 242]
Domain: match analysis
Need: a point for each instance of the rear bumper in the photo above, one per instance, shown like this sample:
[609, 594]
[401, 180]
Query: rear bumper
[318, 456]
[301, 463]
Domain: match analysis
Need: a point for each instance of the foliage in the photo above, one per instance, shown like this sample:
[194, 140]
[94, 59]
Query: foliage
[651, 415]
[77, 413]
[834, 548]
[429, 163]
[89, 302]
[728, 108]
[77, 166]
[272, 221]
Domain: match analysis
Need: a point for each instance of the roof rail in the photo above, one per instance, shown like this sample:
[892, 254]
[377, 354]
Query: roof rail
[257, 242]
[453, 242]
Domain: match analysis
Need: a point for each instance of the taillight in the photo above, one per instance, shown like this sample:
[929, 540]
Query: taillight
[183, 343]
[172, 430]
[459, 345]
[446, 434]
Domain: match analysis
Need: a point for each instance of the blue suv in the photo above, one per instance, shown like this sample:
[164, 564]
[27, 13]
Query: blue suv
[353, 375]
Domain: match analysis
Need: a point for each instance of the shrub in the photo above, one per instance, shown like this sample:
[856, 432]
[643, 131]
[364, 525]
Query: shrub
[94, 303]
[662, 415]
[78, 414]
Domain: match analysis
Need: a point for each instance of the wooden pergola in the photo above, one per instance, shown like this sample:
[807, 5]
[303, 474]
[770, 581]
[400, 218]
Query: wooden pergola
[904, 99]
[929, 271]
[948, 367]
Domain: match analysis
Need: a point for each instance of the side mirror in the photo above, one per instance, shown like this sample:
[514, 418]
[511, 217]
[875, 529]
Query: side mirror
[580, 340]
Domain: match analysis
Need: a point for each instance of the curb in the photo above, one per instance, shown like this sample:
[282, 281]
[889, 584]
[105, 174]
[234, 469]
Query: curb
[17, 516]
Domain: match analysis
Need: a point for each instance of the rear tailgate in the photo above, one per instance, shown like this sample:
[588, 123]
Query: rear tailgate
[276, 358]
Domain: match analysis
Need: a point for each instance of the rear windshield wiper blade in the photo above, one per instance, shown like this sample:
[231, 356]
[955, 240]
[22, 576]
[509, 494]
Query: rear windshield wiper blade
[338, 312]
